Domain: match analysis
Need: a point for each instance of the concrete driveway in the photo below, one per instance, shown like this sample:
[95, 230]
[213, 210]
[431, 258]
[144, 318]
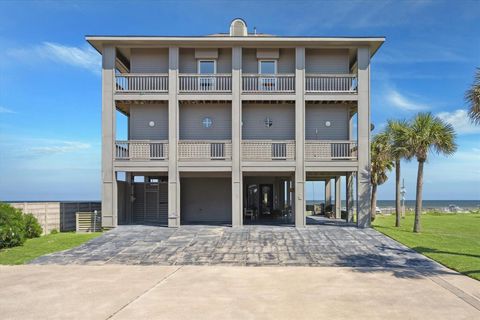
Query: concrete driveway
[229, 292]
[248, 246]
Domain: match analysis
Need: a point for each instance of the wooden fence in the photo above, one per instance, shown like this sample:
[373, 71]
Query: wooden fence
[58, 216]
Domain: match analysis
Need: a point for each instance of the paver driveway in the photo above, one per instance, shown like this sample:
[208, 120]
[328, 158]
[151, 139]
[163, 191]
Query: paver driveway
[324, 245]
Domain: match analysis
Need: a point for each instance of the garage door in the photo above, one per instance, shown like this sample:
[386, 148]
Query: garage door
[151, 202]
[206, 200]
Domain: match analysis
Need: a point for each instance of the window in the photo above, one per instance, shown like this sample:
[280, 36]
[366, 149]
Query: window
[207, 67]
[267, 67]
[207, 122]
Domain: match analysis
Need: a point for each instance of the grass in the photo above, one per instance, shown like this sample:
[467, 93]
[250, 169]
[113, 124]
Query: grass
[37, 247]
[450, 239]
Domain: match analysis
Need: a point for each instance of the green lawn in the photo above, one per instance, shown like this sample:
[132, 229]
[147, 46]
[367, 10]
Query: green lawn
[451, 239]
[37, 247]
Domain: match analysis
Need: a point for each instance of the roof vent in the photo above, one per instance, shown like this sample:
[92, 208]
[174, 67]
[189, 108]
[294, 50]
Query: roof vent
[238, 28]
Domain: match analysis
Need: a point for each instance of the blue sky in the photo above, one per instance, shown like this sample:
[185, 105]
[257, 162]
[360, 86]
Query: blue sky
[50, 96]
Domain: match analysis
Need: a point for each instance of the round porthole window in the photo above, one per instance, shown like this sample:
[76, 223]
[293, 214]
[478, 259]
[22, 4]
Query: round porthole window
[207, 122]
[328, 123]
[151, 124]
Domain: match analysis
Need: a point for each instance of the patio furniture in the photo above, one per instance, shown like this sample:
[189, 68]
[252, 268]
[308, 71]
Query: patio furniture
[249, 213]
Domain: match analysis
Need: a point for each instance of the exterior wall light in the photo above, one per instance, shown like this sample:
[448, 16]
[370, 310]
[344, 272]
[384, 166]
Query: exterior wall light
[151, 124]
[268, 122]
[328, 124]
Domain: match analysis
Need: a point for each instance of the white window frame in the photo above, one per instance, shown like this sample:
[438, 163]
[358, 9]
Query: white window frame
[266, 83]
[267, 60]
[207, 60]
[207, 83]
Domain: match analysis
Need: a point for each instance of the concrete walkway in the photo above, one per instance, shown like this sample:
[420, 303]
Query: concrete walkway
[219, 292]
[327, 245]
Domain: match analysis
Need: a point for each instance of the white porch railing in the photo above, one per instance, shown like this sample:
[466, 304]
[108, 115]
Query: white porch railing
[264, 83]
[331, 83]
[205, 82]
[132, 82]
[141, 150]
[267, 150]
[205, 150]
[323, 150]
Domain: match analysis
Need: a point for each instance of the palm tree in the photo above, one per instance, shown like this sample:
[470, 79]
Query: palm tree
[381, 162]
[396, 130]
[427, 133]
[473, 98]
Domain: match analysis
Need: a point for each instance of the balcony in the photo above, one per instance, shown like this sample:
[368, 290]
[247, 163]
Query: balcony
[331, 83]
[205, 83]
[203, 150]
[268, 150]
[141, 150]
[268, 83]
[141, 83]
[327, 150]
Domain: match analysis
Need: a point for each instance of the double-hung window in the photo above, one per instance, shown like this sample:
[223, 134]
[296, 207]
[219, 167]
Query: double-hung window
[268, 70]
[207, 69]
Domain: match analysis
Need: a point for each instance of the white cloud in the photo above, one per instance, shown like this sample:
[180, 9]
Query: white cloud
[85, 57]
[460, 121]
[402, 102]
[6, 110]
[61, 147]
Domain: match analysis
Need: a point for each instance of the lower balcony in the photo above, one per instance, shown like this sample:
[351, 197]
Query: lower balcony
[141, 150]
[204, 150]
[327, 150]
[268, 150]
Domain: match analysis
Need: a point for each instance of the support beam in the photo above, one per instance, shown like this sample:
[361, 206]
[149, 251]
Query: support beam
[338, 197]
[328, 192]
[350, 199]
[173, 110]
[363, 134]
[237, 185]
[109, 181]
[299, 137]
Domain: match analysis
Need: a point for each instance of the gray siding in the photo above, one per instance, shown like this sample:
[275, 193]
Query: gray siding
[224, 62]
[285, 62]
[326, 61]
[249, 61]
[282, 115]
[192, 115]
[206, 200]
[141, 115]
[149, 61]
[188, 63]
[317, 114]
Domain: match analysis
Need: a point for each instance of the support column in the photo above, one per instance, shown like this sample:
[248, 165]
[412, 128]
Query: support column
[237, 179]
[338, 197]
[350, 200]
[328, 192]
[173, 175]
[363, 134]
[128, 197]
[109, 181]
[299, 137]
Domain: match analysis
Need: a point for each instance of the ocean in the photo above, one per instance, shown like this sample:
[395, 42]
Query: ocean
[427, 204]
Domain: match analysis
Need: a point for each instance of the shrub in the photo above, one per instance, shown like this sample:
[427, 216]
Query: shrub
[54, 231]
[32, 228]
[12, 226]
